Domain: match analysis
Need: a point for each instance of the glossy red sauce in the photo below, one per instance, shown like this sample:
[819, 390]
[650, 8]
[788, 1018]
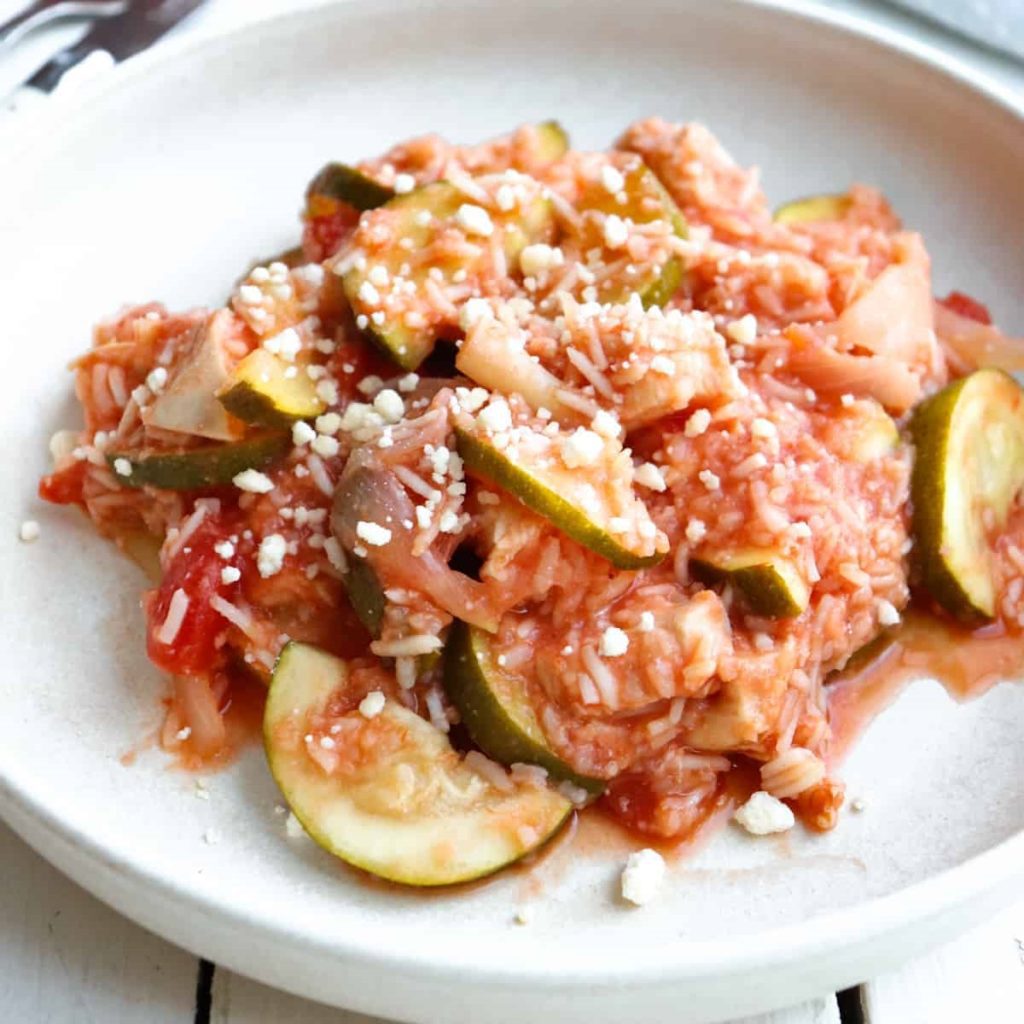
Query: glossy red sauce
[966, 663]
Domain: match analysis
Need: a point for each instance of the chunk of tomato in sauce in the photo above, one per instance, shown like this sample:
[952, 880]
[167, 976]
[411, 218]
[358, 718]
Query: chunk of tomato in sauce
[195, 570]
[963, 305]
[327, 224]
[65, 486]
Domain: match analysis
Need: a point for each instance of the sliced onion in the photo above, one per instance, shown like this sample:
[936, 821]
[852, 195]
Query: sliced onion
[893, 317]
[197, 708]
[830, 372]
[971, 345]
[370, 492]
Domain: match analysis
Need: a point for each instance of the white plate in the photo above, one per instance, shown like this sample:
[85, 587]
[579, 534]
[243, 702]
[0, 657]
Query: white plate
[192, 161]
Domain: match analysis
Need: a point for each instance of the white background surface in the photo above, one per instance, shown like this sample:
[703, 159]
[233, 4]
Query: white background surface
[64, 957]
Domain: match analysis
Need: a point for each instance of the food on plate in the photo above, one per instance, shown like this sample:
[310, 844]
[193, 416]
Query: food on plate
[381, 788]
[496, 710]
[543, 482]
[968, 473]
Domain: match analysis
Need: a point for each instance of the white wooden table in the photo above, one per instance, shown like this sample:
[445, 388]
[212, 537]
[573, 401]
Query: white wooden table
[65, 958]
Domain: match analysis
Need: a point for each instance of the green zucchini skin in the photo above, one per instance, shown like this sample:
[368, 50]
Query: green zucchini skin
[196, 468]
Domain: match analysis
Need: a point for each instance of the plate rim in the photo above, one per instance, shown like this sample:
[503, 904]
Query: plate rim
[678, 960]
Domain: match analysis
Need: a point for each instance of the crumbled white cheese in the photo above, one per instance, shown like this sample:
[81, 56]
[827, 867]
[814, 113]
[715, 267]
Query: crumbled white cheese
[695, 530]
[379, 275]
[616, 231]
[335, 554]
[614, 642]
[582, 448]
[250, 294]
[373, 533]
[302, 433]
[761, 427]
[744, 330]
[764, 814]
[847, 400]
[329, 423]
[473, 312]
[535, 259]
[225, 549]
[449, 522]
[698, 423]
[229, 574]
[603, 423]
[390, 405]
[496, 416]
[650, 476]
[270, 556]
[887, 613]
[286, 344]
[404, 183]
[368, 294]
[253, 481]
[642, 876]
[122, 466]
[156, 380]
[664, 365]
[470, 399]
[505, 197]
[646, 622]
[372, 704]
[327, 392]
[710, 480]
[28, 531]
[409, 382]
[474, 220]
[325, 446]
[612, 179]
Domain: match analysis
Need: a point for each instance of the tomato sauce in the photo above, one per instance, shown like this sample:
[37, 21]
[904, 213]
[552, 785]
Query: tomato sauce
[966, 663]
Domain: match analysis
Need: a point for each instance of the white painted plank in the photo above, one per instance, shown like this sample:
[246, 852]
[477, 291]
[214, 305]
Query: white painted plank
[238, 1000]
[65, 958]
[979, 977]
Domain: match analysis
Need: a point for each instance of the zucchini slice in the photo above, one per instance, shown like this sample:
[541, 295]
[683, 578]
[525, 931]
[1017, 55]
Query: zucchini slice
[646, 201]
[399, 801]
[193, 468]
[552, 142]
[812, 209]
[345, 184]
[258, 391]
[532, 471]
[495, 710]
[968, 470]
[768, 583]
[365, 593]
[419, 228]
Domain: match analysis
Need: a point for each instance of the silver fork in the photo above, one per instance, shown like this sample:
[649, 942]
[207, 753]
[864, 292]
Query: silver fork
[41, 12]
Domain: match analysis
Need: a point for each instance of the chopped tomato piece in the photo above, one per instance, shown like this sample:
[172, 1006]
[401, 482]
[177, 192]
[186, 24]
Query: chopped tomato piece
[65, 486]
[328, 222]
[195, 570]
[963, 305]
